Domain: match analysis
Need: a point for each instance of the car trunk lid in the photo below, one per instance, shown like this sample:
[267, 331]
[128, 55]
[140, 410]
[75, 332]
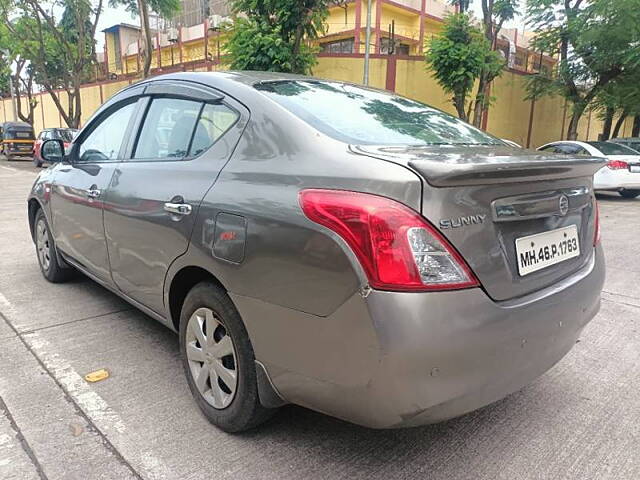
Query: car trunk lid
[483, 199]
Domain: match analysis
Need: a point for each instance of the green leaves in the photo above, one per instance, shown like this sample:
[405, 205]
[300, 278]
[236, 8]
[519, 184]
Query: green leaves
[597, 41]
[271, 35]
[458, 57]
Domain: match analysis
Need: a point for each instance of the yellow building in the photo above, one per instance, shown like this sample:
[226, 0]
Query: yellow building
[408, 22]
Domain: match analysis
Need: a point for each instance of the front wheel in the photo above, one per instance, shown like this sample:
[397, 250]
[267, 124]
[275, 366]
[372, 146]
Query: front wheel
[629, 193]
[218, 360]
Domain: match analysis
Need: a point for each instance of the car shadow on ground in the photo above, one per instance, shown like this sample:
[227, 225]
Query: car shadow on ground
[615, 197]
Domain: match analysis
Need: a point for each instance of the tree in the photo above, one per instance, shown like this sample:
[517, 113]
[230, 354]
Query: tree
[494, 14]
[60, 56]
[5, 60]
[458, 57]
[463, 5]
[269, 34]
[596, 42]
[165, 8]
[622, 98]
[23, 87]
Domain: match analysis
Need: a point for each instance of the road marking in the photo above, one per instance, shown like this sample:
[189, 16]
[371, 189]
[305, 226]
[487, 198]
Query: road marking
[93, 405]
[96, 408]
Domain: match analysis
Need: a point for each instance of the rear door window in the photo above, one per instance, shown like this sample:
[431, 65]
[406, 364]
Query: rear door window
[167, 129]
[213, 123]
[175, 129]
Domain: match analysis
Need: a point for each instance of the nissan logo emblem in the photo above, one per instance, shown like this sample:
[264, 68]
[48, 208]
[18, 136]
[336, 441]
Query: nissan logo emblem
[563, 205]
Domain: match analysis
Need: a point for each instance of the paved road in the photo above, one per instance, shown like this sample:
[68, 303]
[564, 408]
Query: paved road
[579, 421]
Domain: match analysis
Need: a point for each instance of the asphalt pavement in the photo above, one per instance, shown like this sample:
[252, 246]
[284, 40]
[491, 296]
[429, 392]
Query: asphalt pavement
[581, 420]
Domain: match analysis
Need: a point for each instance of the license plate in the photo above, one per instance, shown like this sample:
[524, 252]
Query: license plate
[542, 250]
[634, 168]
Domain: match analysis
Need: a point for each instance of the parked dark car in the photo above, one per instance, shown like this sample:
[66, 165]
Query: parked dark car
[64, 134]
[17, 140]
[631, 142]
[324, 244]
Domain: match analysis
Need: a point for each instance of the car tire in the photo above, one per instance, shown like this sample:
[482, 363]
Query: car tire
[629, 193]
[47, 253]
[210, 371]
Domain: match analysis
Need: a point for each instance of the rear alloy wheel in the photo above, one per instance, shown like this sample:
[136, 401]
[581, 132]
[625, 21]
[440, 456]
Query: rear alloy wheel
[46, 251]
[212, 358]
[629, 193]
[218, 360]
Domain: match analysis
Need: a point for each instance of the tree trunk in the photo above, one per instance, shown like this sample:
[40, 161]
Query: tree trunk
[572, 130]
[608, 123]
[146, 37]
[458, 102]
[619, 123]
[481, 101]
[297, 43]
[636, 126]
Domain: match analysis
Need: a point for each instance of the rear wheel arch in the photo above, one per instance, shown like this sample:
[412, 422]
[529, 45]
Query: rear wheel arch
[181, 284]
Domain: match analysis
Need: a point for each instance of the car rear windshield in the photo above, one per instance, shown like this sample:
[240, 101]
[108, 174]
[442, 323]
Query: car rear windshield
[634, 145]
[361, 115]
[65, 135]
[609, 148]
[19, 134]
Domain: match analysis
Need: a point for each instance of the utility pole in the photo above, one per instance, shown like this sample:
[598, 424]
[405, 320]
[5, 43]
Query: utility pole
[6, 54]
[13, 98]
[367, 42]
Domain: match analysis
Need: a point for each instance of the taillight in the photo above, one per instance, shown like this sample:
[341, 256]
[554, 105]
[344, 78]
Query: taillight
[596, 233]
[617, 165]
[397, 248]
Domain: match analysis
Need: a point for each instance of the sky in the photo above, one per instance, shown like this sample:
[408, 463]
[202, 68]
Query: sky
[111, 16]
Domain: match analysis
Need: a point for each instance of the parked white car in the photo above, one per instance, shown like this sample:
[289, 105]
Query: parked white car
[511, 142]
[620, 174]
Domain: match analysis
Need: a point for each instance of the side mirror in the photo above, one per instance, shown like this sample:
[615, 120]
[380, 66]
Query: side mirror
[52, 151]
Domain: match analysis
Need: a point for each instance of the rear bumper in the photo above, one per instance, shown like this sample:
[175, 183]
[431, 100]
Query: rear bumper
[17, 153]
[607, 179]
[407, 359]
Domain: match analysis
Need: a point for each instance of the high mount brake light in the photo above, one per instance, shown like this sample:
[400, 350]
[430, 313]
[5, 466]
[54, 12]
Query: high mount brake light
[397, 248]
[617, 165]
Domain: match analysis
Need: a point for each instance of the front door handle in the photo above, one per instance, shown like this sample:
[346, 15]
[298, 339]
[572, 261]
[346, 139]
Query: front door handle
[177, 208]
[93, 193]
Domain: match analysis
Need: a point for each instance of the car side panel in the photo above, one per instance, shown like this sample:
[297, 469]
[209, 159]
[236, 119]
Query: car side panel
[289, 260]
[143, 239]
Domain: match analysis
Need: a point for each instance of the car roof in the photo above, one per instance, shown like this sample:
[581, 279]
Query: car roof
[234, 83]
[16, 124]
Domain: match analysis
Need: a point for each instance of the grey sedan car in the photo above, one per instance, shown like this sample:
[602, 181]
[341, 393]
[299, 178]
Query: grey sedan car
[324, 244]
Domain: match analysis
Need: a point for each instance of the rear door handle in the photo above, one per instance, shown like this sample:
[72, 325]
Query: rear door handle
[93, 193]
[177, 208]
